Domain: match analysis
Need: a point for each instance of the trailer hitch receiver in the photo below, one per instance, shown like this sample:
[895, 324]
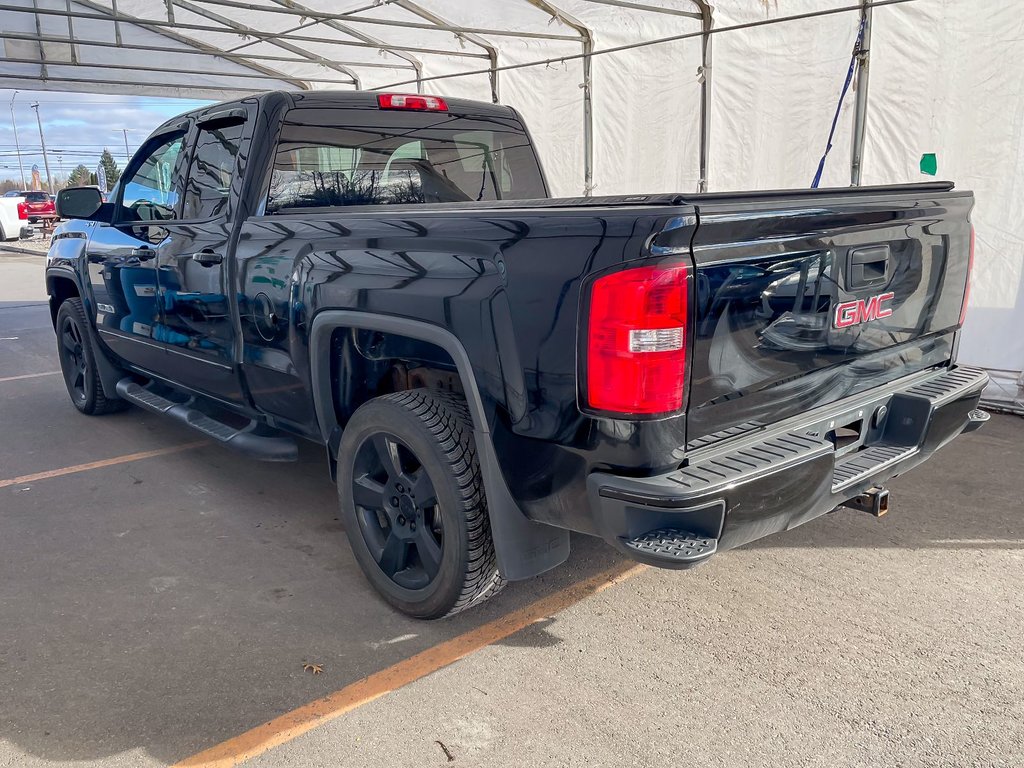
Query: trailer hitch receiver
[874, 501]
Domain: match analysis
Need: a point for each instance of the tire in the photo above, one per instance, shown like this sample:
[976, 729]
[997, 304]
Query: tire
[396, 447]
[78, 362]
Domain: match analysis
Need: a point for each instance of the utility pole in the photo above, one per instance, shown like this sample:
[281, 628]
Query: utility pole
[60, 163]
[17, 145]
[42, 142]
[126, 152]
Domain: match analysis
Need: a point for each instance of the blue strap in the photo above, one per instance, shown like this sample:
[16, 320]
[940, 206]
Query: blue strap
[839, 107]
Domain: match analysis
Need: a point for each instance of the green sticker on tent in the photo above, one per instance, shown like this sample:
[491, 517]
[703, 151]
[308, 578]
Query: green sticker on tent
[929, 164]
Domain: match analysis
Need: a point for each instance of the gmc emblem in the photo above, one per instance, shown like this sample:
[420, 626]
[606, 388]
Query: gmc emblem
[850, 313]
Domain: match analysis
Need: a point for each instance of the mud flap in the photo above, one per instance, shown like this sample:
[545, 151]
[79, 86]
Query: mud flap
[523, 547]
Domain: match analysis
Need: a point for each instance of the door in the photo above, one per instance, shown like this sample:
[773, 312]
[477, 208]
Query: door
[122, 255]
[196, 326]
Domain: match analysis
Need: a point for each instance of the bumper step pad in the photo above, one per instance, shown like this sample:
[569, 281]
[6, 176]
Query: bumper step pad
[670, 547]
[950, 385]
[860, 466]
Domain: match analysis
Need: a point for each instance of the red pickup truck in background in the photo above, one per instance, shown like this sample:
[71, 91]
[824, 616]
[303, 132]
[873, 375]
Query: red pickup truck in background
[40, 207]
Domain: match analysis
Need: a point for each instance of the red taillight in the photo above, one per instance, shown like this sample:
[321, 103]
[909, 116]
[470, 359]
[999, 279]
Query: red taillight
[636, 341]
[411, 101]
[967, 287]
[22, 210]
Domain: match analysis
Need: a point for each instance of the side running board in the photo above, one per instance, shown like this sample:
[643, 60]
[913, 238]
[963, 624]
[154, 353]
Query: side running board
[245, 440]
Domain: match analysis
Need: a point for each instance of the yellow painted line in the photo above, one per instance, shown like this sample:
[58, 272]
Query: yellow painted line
[291, 725]
[28, 376]
[50, 473]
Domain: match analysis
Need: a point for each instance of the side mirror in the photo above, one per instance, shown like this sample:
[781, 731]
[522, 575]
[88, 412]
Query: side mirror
[80, 203]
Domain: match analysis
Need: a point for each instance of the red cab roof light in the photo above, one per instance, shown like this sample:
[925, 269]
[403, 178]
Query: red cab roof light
[413, 101]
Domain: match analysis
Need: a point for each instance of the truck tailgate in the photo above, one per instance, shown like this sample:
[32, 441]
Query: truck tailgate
[803, 298]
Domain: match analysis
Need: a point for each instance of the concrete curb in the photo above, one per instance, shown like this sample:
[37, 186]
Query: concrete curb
[20, 251]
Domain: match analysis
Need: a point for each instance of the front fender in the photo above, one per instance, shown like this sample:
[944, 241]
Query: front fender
[56, 274]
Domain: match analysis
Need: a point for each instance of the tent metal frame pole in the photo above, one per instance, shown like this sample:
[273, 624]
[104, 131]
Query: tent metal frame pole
[472, 37]
[189, 52]
[334, 24]
[704, 13]
[665, 40]
[198, 45]
[234, 26]
[860, 112]
[164, 70]
[167, 28]
[117, 24]
[351, 17]
[707, 35]
[587, 40]
[25, 81]
[706, 69]
[39, 32]
[170, 29]
[251, 43]
[71, 34]
[304, 26]
[651, 8]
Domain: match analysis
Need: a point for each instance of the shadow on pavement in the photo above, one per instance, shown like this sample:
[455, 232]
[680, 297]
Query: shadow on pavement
[169, 604]
[969, 495]
[165, 605]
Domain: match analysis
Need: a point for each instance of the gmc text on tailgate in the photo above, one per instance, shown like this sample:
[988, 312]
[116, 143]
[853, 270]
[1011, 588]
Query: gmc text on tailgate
[490, 368]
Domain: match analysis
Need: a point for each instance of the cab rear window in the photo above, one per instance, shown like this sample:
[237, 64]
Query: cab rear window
[341, 157]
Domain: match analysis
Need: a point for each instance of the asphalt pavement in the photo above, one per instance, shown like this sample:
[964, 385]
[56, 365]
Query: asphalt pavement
[153, 606]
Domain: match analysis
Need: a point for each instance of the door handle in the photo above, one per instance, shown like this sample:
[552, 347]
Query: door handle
[207, 258]
[143, 254]
[867, 267]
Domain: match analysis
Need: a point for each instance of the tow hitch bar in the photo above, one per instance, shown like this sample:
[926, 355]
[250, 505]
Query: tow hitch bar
[874, 501]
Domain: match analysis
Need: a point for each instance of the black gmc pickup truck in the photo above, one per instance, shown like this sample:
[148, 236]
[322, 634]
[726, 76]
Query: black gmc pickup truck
[489, 368]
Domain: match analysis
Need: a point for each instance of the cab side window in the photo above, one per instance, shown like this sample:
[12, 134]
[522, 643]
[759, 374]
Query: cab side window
[208, 187]
[151, 191]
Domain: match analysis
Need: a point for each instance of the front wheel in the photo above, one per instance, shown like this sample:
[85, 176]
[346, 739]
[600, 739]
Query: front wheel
[78, 362]
[412, 501]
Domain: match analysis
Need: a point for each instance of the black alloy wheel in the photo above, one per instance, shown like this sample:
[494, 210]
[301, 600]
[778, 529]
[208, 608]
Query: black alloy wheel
[396, 507]
[413, 505]
[78, 361]
[73, 362]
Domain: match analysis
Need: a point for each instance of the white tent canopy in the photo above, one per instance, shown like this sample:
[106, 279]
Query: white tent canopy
[945, 78]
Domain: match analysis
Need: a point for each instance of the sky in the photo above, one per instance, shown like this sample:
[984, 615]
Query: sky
[77, 127]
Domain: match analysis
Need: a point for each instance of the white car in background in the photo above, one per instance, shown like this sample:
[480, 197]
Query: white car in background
[14, 219]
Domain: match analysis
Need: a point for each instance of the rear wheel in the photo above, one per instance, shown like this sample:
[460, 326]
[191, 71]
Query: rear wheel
[412, 501]
[78, 362]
